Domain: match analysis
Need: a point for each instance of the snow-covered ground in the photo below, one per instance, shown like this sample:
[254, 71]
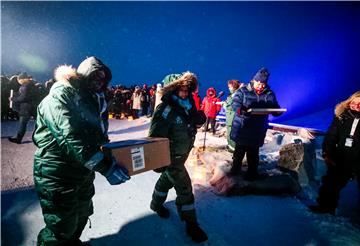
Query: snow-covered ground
[122, 215]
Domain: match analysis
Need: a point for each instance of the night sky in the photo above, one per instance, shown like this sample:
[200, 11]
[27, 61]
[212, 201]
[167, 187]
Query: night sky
[311, 48]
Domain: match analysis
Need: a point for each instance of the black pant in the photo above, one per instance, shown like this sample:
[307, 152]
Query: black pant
[252, 156]
[333, 182]
[23, 121]
[212, 122]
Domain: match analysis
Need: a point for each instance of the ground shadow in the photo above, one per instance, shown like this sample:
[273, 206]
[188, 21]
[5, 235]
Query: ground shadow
[14, 204]
[149, 230]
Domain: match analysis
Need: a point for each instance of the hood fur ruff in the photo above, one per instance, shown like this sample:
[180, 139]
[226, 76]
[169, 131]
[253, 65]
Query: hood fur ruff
[341, 107]
[64, 73]
[187, 79]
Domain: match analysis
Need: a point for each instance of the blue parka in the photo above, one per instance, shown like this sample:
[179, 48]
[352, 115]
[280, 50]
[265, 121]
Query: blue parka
[247, 129]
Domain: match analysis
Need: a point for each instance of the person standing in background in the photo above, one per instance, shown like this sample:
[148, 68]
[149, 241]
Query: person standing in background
[136, 101]
[210, 108]
[341, 153]
[233, 86]
[158, 95]
[25, 104]
[248, 131]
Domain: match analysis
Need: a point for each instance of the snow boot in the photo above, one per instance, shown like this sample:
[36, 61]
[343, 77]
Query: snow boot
[318, 209]
[161, 211]
[251, 176]
[195, 232]
[14, 140]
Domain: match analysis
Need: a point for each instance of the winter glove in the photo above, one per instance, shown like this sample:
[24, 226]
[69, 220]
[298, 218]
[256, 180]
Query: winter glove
[242, 111]
[116, 174]
[328, 161]
[198, 118]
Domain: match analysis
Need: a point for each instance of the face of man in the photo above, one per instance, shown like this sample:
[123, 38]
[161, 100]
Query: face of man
[97, 81]
[183, 92]
[259, 86]
[355, 104]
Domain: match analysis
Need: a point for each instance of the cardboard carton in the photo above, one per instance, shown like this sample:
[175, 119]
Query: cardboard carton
[140, 155]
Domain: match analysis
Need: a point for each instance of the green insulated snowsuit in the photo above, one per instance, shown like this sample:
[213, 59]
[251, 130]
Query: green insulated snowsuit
[68, 137]
[229, 119]
[171, 121]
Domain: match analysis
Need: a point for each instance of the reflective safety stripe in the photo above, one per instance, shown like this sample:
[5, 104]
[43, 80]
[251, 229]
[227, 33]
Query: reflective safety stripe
[231, 147]
[94, 160]
[187, 207]
[353, 127]
[166, 112]
[160, 193]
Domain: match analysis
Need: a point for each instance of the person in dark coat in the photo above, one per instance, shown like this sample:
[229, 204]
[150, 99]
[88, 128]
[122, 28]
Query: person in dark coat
[177, 118]
[24, 100]
[70, 130]
[341, 153]
[248, 131]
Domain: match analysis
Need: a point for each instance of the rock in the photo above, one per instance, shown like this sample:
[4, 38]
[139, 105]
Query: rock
[291, 156]
[298, 159]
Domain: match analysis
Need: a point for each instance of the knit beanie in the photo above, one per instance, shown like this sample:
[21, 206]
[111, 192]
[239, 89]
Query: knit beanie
[262, 75]
[170, 78]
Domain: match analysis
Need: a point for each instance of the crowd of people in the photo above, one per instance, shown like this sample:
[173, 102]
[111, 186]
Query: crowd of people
[72, 115]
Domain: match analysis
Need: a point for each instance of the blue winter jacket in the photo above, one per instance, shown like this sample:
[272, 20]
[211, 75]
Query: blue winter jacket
[247, 129]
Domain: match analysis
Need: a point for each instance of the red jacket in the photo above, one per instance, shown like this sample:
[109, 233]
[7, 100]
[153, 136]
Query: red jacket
[211, 109]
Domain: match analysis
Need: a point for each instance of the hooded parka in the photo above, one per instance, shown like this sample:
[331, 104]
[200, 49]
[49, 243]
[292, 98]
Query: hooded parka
[68, 135]
[173, 121]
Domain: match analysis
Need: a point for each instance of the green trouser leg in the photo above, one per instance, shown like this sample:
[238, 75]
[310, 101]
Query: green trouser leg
[176, 176]
[231, 144]
[66, 209]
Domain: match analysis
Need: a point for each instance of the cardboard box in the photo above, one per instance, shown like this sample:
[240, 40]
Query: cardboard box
[140, 155]
[262, 111]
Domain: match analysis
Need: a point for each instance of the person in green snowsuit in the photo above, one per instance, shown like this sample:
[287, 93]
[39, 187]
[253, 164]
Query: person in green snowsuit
[233, 86]
[177, 118]
[70, 130]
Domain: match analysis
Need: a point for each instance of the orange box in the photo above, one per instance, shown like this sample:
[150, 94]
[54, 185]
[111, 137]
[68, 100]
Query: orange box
[141, 155]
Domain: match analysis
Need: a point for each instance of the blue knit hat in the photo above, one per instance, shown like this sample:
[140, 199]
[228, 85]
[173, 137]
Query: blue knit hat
[262, 75]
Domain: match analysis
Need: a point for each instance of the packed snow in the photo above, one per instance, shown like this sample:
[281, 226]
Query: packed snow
[122, 215]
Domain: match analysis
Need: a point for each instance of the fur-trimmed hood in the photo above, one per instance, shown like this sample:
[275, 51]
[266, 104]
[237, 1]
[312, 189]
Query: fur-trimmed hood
[70, 76]
[340, 109]
[344, 105]
[66, 74]
[211, 89]
[186, 79]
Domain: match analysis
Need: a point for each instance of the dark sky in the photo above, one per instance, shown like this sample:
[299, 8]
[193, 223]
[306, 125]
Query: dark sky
[311, 48]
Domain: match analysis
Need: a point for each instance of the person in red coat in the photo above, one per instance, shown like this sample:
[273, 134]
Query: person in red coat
[210, 108]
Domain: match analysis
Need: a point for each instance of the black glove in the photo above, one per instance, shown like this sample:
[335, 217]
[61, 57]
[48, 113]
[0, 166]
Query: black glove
[328, 160]
[198, 118]
[242, 111]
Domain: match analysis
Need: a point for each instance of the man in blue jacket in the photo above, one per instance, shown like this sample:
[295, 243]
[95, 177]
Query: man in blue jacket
[248, 131]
